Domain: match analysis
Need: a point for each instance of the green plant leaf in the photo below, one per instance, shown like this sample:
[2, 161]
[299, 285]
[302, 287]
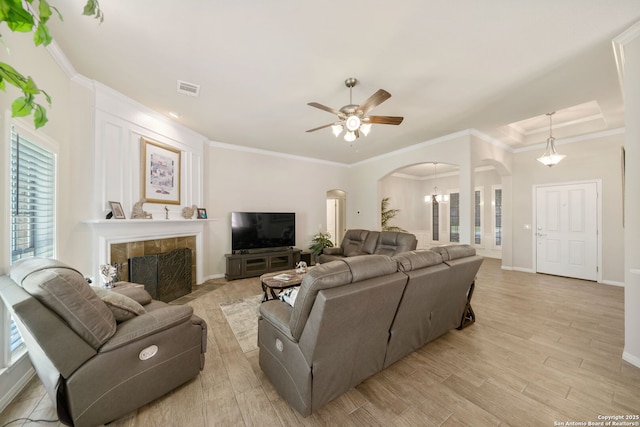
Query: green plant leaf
[92, 8]
[40, 116]
[22, 106]
[42, 35]
[18, 18]
[44, 10]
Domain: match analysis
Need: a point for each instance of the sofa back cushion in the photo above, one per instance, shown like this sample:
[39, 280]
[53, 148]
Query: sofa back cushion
[454, 251]
[392, 242]
[64, 291]
[334, 274]
[414, 260]
[359, 242]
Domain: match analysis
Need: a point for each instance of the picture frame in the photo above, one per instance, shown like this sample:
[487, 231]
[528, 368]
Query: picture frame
[202, 213]
[160, 172]
[117, 211]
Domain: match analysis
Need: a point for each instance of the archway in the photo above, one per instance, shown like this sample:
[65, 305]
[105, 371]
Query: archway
[336, 214]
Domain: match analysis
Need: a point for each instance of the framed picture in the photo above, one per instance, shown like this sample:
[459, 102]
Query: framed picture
[116, 209]
[160, 173]
[202, 213]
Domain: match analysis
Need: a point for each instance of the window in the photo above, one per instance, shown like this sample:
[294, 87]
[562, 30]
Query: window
[454, 217]
[497, 216]
[32, 191]
[478, 217]
[435, 220]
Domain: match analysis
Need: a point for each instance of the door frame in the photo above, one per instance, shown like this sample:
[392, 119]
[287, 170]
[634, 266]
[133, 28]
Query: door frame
[534, 205]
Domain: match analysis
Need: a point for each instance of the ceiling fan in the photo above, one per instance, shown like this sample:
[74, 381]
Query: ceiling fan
[354, 117]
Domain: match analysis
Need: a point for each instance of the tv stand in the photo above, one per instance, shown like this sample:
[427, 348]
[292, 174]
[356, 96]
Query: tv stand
[240, 266]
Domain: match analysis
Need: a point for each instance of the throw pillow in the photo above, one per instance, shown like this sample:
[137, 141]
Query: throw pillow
[289, 296]
[122, 307]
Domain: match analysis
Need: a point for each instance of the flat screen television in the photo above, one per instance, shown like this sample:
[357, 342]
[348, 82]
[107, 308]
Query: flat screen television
[262, 230]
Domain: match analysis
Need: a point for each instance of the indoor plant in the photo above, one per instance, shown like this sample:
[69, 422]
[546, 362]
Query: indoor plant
[321, 240]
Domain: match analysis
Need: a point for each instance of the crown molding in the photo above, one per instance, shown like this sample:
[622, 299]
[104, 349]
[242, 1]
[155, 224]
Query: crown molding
[618, 44]
[65, 65]
[245, 149]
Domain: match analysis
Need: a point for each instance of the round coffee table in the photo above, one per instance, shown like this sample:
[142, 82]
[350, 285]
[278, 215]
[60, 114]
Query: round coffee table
[279, 280]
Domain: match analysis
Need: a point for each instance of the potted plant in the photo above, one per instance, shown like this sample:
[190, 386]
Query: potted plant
[320, 241]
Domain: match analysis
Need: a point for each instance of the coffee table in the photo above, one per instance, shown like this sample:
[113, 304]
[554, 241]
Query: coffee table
[279, 280]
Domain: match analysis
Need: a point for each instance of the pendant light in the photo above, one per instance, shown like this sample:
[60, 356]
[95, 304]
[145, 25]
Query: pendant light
[551, 156]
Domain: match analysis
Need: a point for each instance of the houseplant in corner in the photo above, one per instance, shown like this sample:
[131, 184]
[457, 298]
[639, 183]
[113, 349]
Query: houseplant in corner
[321, 240]
[387, 215]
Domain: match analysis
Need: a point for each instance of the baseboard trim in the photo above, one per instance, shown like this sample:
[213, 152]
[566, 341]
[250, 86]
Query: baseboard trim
[634, 360]
[19, 376]
[612, 283]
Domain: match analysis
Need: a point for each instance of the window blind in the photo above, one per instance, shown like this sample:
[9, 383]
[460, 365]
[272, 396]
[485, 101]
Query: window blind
[32, 170]
[32, 199]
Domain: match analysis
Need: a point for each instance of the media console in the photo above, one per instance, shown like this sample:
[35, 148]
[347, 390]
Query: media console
[252, 264]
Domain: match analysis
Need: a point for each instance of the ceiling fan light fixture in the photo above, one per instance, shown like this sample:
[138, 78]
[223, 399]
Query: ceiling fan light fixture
[350, 136]
[336, 129]
[353, 123]
[365, 128]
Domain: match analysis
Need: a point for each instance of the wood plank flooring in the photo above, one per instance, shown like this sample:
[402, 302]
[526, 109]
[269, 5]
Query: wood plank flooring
[544, 351]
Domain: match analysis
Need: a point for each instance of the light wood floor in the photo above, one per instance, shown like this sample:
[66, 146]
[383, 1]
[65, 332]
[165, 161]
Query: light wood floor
[544, 351]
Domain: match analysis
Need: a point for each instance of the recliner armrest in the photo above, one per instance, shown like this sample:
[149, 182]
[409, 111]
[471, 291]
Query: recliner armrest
[148, 324]
[278, 314]
[336, 250]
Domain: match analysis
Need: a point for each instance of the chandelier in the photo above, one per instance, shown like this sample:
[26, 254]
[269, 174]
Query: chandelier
[551, 156]
[436, 197]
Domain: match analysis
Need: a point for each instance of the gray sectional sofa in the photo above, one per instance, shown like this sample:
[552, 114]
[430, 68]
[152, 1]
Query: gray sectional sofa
[358, 242]
[355, 316]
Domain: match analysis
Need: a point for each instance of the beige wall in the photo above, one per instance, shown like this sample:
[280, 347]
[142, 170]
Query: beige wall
[587, 160]
[250, 180]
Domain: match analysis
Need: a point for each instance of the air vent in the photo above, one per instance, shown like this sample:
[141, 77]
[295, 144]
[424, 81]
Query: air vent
[188, 88]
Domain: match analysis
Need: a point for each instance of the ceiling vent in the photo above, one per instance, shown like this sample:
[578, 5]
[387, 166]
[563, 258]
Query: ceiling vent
[189, 89]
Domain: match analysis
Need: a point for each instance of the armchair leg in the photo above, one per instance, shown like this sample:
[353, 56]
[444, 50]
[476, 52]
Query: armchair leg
[468, 317]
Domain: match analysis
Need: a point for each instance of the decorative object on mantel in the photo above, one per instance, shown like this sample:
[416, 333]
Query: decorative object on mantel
[166, 212]
[108, 274]
[202, 213]
[138, 212]
[187, 212]
[116, 209]
[160, 172]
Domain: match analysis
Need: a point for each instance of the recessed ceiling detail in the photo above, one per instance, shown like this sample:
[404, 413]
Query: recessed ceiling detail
[577, 120]
[189, 89]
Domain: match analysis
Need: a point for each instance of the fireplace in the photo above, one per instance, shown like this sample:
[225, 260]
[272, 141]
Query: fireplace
[116, 241]
[166, 276]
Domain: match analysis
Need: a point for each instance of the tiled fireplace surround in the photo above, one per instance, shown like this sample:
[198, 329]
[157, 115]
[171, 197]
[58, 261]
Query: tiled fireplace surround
[121, 252]
[118, 240]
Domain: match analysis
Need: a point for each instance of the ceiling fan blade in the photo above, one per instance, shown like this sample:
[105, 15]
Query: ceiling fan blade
[374, 100]
[383, 120]
[325, 108]
[320, 127]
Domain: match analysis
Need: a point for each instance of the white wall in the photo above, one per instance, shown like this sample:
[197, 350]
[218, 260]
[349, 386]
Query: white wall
[597, 158]
[628, 45]
[252, 180]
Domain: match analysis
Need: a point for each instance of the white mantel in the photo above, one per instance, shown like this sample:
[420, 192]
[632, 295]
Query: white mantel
[109, 231]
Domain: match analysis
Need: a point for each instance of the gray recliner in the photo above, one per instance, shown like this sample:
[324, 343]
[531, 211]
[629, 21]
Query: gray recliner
[100, 354]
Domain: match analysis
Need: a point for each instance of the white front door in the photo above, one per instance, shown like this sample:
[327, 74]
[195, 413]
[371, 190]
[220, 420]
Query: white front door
[567, 230]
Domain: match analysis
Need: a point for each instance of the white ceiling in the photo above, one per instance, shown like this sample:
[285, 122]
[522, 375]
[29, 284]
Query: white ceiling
[449, 66]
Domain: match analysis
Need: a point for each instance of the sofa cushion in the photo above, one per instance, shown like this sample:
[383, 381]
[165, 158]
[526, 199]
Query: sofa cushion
[455, 251]
[122, 307]
[368, 266]
[138, 294]
[65, 291]
[393, 242]
[414, 260]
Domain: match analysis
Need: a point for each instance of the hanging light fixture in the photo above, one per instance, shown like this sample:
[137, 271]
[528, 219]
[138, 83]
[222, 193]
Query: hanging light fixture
[436, 197]
[551, 156]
